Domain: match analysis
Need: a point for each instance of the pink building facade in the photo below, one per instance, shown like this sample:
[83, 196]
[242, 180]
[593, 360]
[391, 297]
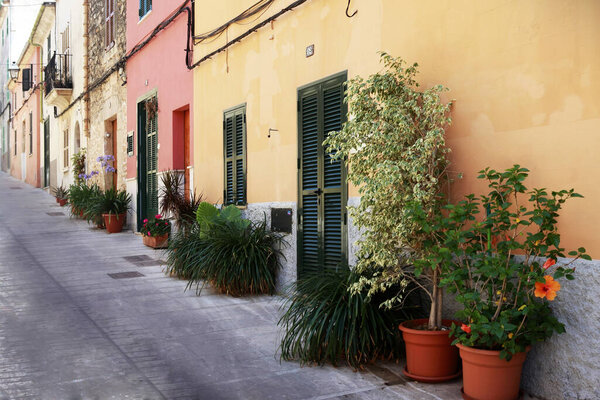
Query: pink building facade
[24, 132]
[159, 100]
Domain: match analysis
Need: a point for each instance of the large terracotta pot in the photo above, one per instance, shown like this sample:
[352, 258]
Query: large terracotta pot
[430, 356]
[488, 377]
[62, 202]
[114, 223]
[156, 242]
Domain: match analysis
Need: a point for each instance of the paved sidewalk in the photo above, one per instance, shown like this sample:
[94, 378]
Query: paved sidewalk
[70, 331]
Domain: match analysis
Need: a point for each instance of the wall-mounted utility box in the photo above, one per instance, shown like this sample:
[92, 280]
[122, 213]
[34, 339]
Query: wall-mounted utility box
[281, 220]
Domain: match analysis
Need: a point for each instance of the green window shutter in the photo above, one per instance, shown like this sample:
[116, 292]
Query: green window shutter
[322, 181]
[26, 79]
[152, 166]
[234, 146]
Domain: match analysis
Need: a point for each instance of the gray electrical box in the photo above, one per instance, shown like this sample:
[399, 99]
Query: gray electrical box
[281, 220]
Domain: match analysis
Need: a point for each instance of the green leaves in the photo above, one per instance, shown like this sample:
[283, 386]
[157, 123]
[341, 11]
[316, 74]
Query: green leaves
[326, 322]
[395, 146]
[499, 265]
[237, 258]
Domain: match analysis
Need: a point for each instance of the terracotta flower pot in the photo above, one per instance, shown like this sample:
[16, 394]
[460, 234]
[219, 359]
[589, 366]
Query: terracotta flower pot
[57, 200]
[62, 202]
[430, 356]
[156, 242]
[114, 223]
[488, 377]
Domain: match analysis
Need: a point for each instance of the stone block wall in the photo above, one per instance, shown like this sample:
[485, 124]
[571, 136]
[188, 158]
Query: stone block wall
[108, 101]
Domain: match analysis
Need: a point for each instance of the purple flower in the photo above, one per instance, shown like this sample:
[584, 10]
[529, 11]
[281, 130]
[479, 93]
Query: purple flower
[99, 159]
[110, 169]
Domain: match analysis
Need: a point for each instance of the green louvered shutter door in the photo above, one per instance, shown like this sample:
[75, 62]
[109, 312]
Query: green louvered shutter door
[322, 183]
[151, 167]
[234, 145]
[333, 182]
[310, 251]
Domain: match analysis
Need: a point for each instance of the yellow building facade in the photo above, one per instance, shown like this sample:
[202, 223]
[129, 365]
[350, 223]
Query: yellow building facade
[524, 77]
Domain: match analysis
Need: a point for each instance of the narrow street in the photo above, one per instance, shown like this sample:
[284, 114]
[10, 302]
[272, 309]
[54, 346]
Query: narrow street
[68, 330]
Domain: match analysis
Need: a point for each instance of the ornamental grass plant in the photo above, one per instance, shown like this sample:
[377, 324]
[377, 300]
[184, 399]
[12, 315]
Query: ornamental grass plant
[501, 256]
[232, 254]
[325, 322]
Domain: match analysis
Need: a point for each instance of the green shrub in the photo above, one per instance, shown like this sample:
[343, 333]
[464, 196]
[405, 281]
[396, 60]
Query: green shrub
[325, 322]
[183, 252]
[92, 198]
[230, 253]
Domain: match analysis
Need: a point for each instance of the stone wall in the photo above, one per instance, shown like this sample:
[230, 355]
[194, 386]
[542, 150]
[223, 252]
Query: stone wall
[566, 366]
[108, 102]
[258, 212]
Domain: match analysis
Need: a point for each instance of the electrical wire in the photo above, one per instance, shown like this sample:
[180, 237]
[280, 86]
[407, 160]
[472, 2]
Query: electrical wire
[258, 8]
[247, 33]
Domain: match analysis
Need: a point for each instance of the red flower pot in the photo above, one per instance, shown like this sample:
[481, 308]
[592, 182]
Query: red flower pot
[57, 200]
[114, 223]
[156, 242]
[62, 202]
[430, 356]
[488, 377]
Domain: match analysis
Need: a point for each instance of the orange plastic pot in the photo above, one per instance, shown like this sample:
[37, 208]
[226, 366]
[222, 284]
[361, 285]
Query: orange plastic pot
[430, 356]
[488, 377]
[113, 223]
[156, 242]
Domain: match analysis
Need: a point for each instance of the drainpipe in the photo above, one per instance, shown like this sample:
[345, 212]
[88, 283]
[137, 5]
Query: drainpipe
[86, 98]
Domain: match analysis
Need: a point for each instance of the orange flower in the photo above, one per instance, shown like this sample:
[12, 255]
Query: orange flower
[549, 262]
[466, 328]
[548, 289]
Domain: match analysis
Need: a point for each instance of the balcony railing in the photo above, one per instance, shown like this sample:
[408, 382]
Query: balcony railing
[57, 74]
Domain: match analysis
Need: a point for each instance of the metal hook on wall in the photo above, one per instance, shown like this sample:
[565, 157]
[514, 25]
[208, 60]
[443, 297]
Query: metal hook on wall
[348, 9]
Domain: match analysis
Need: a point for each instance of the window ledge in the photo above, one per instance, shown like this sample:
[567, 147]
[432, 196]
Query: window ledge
[144, 17]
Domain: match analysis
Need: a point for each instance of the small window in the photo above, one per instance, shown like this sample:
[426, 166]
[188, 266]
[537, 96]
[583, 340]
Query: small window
[66, 149]
[234, 152]
[109, 23]
[145, 7]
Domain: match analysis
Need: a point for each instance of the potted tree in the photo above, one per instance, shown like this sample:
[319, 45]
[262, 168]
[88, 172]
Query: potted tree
[156, 231]
[395, 147]
[503, 257]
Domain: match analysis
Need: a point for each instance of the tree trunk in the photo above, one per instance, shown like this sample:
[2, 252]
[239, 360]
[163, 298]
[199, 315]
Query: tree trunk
[434, 303]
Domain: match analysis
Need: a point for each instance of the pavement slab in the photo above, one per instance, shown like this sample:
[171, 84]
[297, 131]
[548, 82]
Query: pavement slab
[70, 331]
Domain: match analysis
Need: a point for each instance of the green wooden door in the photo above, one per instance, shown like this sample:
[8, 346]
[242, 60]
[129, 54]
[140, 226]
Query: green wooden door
[147, 164]
[322, 238]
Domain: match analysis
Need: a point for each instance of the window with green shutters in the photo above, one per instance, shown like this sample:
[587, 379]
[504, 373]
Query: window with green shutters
[322, 228]
[234, 154]
[145, 7]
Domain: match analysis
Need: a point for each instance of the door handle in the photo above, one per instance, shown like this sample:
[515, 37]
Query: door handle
[318, 192]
